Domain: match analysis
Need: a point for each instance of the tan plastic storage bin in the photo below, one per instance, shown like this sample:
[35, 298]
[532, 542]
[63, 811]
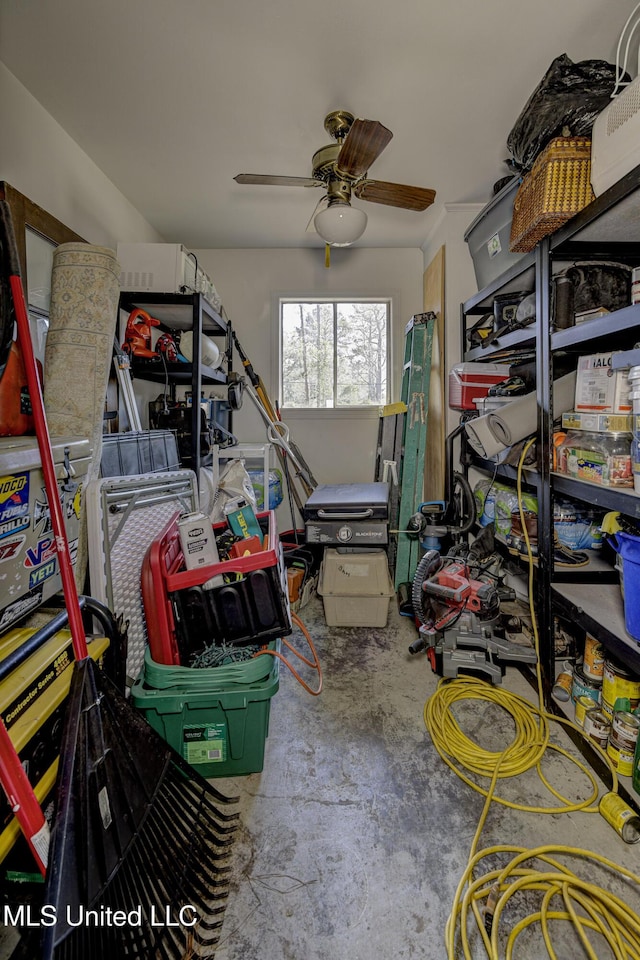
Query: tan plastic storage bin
[355, 588]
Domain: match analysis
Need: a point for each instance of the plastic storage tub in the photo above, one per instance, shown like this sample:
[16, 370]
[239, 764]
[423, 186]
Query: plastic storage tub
[488, 236]
[355, 588]
[146, 451]
[221, 733]
[485, 405]
[228, 676]
[183, 617]
[603, 458]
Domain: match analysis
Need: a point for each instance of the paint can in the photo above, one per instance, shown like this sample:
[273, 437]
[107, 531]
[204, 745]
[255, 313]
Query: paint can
[621, 817]
[596, 726]
[583, 686]
[593, 662]
[622, 741]
[583, 703]
[636, 768]
[618, 682]
[563, 685]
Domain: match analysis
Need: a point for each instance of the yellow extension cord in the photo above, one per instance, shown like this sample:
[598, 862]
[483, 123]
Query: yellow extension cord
[480, 900]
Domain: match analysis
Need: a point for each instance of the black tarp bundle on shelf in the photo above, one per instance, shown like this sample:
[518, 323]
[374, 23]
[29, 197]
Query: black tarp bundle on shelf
[566, 102]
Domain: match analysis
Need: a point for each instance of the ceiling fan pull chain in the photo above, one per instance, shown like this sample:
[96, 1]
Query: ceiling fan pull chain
[327, 255]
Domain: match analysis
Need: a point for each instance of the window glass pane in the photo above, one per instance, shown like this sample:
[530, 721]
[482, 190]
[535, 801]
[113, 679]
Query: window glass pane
[334, 354]
[307, 355]
[361, 354]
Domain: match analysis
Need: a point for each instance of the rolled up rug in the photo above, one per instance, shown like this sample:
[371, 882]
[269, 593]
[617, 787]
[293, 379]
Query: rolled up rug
[481, 439]
[493, 433]
[83, 316]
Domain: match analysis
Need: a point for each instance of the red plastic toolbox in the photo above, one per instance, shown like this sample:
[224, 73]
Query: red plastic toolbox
[183, 617]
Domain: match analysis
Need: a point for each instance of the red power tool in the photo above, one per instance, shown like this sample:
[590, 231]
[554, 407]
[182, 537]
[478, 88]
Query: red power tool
[443, 591]
[457, 615]
[137, 336]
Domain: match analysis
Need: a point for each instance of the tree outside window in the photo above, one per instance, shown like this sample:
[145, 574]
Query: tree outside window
[334, 353]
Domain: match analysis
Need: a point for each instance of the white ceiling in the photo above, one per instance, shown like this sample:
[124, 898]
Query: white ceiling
[172, 98]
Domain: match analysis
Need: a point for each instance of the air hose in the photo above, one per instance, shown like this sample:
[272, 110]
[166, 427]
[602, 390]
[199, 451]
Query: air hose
[481, 899]
[314, 664]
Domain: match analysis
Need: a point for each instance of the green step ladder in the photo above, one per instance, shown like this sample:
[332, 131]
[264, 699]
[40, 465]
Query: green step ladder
[416, 374]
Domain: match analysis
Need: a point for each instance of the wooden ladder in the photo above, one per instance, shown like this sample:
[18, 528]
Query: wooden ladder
[416, 374]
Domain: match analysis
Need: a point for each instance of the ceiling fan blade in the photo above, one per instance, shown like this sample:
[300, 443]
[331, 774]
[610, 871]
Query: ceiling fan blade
[395, 194]
[273, 181]
[363, 144]
[322, 204]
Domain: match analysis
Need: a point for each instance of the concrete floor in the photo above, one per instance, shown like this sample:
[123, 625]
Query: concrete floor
[355, 835]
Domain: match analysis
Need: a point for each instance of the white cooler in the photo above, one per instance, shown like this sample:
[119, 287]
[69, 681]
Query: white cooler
[29, 572]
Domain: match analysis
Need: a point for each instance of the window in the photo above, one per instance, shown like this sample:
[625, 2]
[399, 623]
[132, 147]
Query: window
[335, 353]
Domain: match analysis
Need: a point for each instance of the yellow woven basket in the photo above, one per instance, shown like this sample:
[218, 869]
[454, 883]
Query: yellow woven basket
[558, 187]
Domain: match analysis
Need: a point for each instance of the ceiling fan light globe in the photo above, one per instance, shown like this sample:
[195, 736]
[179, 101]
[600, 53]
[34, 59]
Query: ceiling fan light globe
[340, 225]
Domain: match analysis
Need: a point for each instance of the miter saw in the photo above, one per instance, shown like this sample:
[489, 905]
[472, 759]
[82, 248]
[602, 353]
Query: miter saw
[458, 614]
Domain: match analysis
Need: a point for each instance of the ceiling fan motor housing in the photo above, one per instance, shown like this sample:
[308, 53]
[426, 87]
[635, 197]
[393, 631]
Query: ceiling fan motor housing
[324, 161]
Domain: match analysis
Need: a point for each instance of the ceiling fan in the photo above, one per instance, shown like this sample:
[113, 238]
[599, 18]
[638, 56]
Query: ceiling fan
[341, 169]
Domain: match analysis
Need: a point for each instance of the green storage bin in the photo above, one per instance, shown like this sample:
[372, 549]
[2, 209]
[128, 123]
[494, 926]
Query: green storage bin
[221, 733]
[230, 676]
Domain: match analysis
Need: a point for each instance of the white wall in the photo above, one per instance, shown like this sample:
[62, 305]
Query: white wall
[40, 160]
[339, 447]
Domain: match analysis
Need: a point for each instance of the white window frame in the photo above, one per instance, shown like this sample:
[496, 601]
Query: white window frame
[369, 411]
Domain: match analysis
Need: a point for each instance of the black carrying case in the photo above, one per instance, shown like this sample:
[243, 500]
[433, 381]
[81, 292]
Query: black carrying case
[348, 514]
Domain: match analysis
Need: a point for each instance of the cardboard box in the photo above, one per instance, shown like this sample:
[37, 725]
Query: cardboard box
[356, 588]
[600, 388]
[597, 422]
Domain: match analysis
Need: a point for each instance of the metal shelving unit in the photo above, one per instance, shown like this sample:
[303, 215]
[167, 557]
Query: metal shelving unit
[608, 229]
[182, 312]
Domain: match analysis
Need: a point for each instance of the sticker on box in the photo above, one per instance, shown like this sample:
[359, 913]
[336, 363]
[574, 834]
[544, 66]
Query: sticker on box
[599, 388]
[205, 743]
[14, 503]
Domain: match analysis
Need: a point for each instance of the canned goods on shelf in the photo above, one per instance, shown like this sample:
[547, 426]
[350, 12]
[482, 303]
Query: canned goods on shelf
[593, 662]
[596, 726]
[583, 685]
[583, 703]
[622, 741]
[618, 682]
[563, 685]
